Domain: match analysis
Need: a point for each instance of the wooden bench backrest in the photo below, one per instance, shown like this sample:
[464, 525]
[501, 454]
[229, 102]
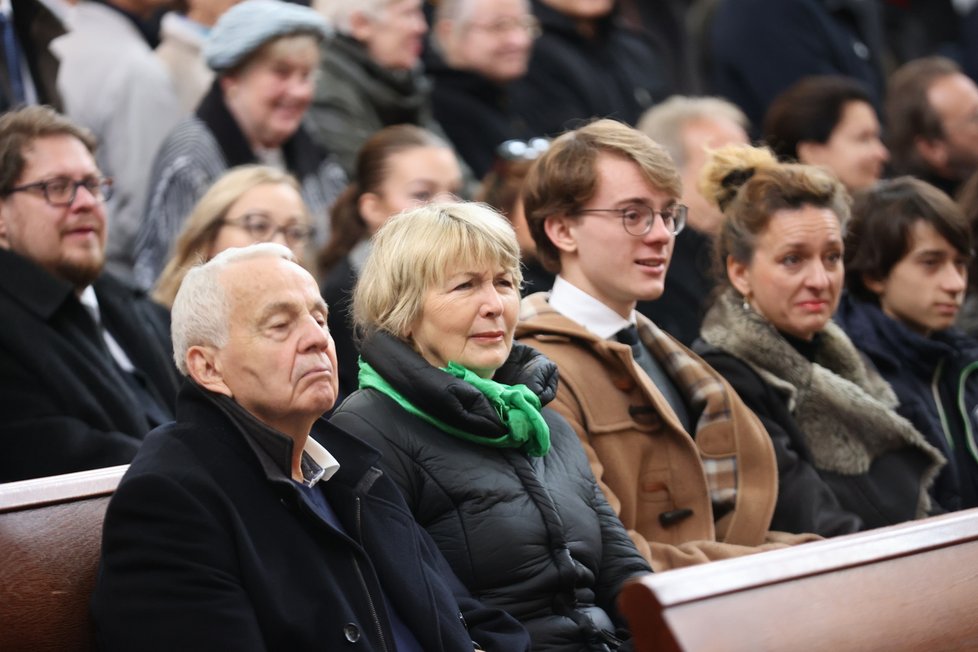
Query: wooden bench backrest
[50, 537]
[907, 587]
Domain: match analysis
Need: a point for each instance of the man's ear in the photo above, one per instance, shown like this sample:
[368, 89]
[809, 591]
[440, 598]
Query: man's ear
[444, 31]
[874, 285]
[361, 25]
[4, 243]
[559, 228]
[933, 150]
[739, 275]
[204, 367]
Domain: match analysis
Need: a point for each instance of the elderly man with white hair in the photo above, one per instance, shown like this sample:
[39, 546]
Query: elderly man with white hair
[234, 529]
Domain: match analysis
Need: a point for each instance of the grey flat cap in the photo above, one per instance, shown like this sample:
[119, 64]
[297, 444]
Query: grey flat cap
[247, 26]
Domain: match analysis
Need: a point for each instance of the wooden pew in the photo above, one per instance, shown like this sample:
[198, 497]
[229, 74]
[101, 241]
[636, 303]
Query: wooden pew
[912, 586]
[50, 537]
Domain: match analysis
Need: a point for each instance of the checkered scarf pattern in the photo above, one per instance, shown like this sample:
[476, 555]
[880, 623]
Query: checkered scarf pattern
[705, 392]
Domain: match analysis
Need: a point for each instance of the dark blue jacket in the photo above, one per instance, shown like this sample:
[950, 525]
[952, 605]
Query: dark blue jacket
[758, 48]
[936, 381]
[207, 548]
[572, 79]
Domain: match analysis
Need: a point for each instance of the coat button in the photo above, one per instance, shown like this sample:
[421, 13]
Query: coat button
[674, 516]
[351, 632]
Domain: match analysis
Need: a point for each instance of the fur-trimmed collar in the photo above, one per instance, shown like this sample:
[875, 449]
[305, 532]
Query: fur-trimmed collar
[844, 408]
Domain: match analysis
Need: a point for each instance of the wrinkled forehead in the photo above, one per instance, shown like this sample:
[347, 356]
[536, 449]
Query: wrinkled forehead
[252, 284]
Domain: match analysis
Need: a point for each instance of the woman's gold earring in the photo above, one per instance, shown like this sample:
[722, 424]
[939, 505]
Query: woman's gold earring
[747, 303]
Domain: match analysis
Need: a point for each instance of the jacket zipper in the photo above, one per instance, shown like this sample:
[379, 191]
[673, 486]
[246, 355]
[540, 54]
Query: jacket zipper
[968, 430]
[366, 589]
[936, 394]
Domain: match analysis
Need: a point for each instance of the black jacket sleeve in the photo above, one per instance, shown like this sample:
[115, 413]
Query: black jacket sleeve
[160, 589]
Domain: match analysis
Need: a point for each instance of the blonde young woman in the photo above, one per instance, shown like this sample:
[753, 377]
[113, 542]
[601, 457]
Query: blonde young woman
[248, 204]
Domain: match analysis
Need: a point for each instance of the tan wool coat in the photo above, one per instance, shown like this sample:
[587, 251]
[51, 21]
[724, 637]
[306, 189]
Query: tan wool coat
[651, 470]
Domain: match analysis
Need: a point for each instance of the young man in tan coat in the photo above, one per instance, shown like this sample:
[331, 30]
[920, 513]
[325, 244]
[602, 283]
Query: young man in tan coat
[687, 466]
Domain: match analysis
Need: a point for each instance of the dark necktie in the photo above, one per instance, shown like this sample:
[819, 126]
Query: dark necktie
[12, 57]
[629, 336]
[137, 382]
[655, 372]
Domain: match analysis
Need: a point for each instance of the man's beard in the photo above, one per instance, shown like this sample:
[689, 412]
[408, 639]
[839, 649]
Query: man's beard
[80, 273]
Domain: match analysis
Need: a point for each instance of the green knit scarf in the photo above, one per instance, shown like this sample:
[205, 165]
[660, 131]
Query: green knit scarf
[516, 405]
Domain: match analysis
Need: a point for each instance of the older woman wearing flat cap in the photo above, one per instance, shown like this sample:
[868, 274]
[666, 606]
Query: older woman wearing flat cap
[265, 54]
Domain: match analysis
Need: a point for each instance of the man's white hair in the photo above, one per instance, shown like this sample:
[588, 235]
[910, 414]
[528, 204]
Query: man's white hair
[459, 12]
[201, 311]
[338, 12]
[664, 122]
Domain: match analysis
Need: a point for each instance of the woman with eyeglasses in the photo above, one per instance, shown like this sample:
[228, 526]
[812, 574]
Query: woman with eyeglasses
[846, 459]
[249, 204]
[265, 55]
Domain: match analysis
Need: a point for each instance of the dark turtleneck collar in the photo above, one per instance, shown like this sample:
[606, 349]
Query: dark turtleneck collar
[302, 156]
[273, 448]
[472, 83]
[808, 349]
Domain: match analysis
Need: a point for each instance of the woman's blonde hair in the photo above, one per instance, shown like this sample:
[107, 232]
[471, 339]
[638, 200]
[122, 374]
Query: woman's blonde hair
[416, 249]
[749, 185]
[200, 230]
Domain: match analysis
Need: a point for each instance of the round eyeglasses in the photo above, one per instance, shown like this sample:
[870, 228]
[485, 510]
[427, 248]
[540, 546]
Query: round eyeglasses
[262, 228]
[638, 219]
[61, 191]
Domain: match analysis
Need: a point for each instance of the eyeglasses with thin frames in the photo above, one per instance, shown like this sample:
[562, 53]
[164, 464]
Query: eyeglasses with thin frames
[61, 191]
[638, 219]
[262, 228]
[502, 26]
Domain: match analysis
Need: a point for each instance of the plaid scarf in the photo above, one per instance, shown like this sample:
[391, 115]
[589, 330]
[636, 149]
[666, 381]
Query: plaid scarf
[706, 394]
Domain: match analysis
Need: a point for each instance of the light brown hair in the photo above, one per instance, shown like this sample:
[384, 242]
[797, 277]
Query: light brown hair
[565, 177]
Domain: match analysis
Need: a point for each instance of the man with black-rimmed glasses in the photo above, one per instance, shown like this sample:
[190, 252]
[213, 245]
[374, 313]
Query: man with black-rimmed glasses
[85, 370]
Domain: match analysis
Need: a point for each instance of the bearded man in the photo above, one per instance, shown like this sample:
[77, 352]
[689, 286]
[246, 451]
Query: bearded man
[85, 367]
